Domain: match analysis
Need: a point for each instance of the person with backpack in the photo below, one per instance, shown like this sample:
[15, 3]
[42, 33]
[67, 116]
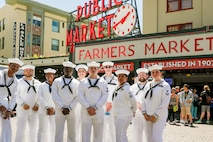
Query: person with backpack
[205, 97]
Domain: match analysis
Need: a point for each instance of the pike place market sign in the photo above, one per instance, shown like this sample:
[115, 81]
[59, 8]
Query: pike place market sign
[172, 46]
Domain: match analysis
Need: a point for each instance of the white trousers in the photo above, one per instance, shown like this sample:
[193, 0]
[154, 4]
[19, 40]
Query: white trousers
[138, 128]
[121, 125]
[46, 131]
[154, 130]
[6, 130]
[96, 122]
[109, 129]
[78, 123]
[60, 119]
[24, 117]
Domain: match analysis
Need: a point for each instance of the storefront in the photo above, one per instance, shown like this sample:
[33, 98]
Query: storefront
[187, 57]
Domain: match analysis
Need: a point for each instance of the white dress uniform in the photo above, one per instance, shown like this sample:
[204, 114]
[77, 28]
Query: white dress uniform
[123, 106]
[109, 127]
[8, 87]
[27, 94]
[155, 102]
[78, 106]
[64, 93]
[138, 122]
[46, 132]
[95, 95]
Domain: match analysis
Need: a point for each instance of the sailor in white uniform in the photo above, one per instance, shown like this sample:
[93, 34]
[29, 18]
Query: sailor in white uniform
[64, 93]
[82, 72]
[155, 103]
[46, 131]
[92, 95]
[8, 88]
[27, 105]
[112, 81]
[124, 106]
[138, 126]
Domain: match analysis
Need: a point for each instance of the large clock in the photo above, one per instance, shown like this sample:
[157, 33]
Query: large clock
[124, 20]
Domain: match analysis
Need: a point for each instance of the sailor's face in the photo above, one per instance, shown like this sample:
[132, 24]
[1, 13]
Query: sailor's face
[122, 78]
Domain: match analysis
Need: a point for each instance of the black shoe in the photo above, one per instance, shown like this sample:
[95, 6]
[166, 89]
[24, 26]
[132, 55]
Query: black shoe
[191, 125]
[185, 124]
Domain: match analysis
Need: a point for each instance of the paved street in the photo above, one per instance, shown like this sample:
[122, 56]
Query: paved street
[172, 133]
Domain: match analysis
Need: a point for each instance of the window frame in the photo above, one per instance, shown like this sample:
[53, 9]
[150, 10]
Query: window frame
[179, 6]
[52, 46]
[38, 40]
[55, 28]
[2, 42]
[179, 26]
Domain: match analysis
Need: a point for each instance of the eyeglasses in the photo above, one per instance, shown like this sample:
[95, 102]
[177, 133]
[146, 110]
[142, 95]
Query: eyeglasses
[108, 67]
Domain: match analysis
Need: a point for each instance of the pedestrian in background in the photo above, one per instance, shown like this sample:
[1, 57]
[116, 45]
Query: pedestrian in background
[173, 107]
[46, 131]
[194, 107]
[8, 89]
[138, 122]
[206, 97]
[27, 105]
[92, 95]
[64, 93]
[124, 106]
[155, 103]
[186, 99]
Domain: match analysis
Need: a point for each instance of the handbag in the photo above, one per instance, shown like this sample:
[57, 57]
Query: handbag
[175, 108]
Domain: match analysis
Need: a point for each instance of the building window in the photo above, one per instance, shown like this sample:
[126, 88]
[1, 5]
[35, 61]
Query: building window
[2, 41]
[0, 26]
[3, 24]
[176, 5]
[36, 40]
[0, 44]
[55, 44]
[55, 26]
[62, 43]
[63, 25]
[179, 27]
[36, 20]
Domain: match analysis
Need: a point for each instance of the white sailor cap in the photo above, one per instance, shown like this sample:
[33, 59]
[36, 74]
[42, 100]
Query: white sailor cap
[50, 70]
[108, 63]
[68, 64]
[122, 71]
[16, 61]
[81, 66]
[145, 70]
[155, 67]
[28, 67]
[93, 64]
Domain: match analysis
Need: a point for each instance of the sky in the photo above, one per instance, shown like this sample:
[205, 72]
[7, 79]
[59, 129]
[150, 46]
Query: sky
[66, 5]
[71, 5]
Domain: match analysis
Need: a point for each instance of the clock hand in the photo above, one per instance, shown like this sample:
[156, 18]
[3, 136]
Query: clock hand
[122, 20]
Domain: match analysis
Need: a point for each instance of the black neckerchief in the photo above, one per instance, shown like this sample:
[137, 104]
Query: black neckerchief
[50, 86]
[94, 85]
[115, 93]
[7, 86]
[110, 82]
[30, 86]
[140, 89]
[67, 84]
[151, 89]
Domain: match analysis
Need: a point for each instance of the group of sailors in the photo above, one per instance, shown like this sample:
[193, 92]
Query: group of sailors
[95, 108]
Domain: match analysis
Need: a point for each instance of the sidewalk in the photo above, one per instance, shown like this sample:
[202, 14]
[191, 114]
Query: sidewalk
[172, 133]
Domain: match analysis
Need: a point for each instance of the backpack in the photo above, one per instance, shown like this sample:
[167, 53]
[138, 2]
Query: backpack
[208, 99]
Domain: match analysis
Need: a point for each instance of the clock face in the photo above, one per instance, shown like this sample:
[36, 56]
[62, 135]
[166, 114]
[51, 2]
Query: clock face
[124, 20]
